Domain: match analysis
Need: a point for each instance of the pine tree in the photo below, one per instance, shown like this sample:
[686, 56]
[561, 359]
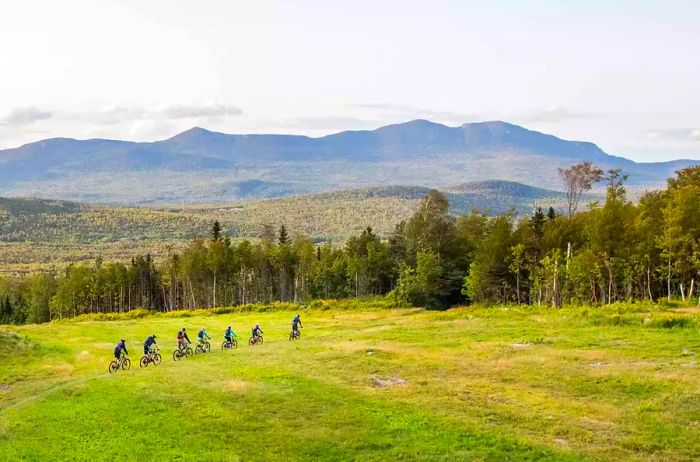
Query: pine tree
[283, 237]
[216, 231]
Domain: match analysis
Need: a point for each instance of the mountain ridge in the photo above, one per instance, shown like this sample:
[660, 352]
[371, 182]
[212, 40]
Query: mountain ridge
[196, 164]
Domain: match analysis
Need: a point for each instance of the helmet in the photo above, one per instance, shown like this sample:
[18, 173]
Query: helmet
[154, 335]
[202, 327]
[183, 329]
[229, 327]
[122, 340]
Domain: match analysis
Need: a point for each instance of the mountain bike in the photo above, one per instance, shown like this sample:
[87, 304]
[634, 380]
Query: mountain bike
[122, 363]
[153, 357]
[202, 347]
[226, 345]
[180, 353]
[295, 334]
[256, 340]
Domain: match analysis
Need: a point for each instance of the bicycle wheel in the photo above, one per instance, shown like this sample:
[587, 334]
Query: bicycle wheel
[207, 347]
[198, 349]
[144, 361]
[188, 352]
[224, 345]
[234, 343]
[291, 336]
[176, 355]
[298, 334]
[113, 366]
[251, 342]
[157, 359]
[260, 339]
[126, 364]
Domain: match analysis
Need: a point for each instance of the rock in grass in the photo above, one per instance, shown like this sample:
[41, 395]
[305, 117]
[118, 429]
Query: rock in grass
[383, 383]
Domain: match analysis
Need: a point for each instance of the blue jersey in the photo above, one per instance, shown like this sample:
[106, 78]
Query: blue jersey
[121, 346]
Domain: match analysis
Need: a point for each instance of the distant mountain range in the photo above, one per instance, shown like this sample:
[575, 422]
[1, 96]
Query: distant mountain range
[203, 166]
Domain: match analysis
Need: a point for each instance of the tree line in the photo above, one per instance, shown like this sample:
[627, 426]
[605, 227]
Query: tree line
[615, 250]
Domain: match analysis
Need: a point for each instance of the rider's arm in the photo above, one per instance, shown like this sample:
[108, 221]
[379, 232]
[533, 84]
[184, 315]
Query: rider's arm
[126, 352]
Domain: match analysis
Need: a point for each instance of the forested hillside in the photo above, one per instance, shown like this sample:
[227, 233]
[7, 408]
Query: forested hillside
[37, 232]
[610, 251]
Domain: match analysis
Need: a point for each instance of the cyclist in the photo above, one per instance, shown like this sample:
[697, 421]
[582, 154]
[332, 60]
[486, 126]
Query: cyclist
[202, 335]
[119, 348]
[296, 324]
[229, 334]
[148, 344]
[257, 331]
[182, 339]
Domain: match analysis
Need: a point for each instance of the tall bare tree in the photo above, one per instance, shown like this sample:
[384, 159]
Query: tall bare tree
[578, 179]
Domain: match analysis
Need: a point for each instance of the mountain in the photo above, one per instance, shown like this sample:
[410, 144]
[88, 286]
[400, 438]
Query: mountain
[199, 165]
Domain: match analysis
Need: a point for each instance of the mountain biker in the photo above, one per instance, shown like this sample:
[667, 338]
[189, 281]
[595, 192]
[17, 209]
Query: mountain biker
[119, 347]
[257, 331]
[202, 335]
[229, 334]
[148, 344]
[296, 324]
[182, 339]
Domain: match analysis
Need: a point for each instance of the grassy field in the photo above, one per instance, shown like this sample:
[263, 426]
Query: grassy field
[404, 384]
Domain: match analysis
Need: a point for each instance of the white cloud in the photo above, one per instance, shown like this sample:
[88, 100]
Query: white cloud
[674, 134]
[555, 114]
[188, 111]
[24, 116]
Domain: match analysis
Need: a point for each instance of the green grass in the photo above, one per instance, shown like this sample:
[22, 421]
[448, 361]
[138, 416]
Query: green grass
[480, 384]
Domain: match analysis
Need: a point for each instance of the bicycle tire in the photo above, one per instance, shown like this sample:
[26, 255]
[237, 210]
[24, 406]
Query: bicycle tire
[207, 347]
[251, 342]
[157, 359]
[144, 361]
[176, 356]
[126, 365]
[188, 352]
[234, 343]
[113, 367]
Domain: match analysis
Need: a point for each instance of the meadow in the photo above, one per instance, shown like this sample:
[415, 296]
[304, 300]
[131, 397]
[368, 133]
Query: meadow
[499, 383]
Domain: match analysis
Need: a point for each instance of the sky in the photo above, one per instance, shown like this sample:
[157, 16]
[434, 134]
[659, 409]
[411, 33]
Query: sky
[622, 74]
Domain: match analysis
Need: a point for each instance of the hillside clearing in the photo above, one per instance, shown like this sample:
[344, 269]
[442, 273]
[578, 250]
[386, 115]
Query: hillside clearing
[370, 385]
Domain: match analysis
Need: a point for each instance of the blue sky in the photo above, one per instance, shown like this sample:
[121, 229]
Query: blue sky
[622, 74]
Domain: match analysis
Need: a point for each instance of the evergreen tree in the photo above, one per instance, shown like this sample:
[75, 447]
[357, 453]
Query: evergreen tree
[283, 237]
[215, 231]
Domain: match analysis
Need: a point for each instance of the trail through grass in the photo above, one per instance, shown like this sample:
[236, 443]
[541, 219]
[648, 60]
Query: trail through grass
[485, 384]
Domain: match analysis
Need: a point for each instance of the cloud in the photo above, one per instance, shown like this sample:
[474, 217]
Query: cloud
[403, 111]
[395, 112]
[329, 123]
[554, 114]
[24, 116]
[185, 111]
[675, 134]
[116, 114]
